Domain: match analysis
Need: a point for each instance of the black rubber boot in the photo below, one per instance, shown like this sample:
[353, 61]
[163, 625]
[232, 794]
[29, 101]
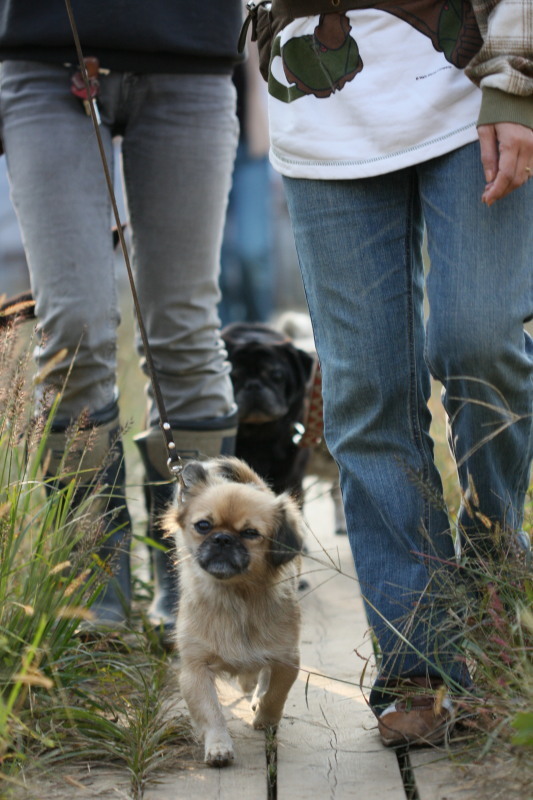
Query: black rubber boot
[96, 456]
[200, 440]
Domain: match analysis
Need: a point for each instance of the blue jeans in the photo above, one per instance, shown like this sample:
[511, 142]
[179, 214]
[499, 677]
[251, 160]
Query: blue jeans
[179, 140]
[359, 245]
[247, 276]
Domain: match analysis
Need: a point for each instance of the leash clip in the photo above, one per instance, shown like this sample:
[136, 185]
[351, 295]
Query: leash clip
[174, 462]
[175, 467]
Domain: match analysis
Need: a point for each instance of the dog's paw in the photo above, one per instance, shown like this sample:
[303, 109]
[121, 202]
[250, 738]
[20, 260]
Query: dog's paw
[264, 719]
[219, 758]
[219, 750]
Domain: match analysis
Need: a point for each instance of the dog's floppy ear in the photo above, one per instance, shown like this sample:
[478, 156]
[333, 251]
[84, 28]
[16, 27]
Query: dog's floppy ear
[302, 362]
[307, 362]
[231, 470]
[286, 542]
[236, 470]
[192, 474]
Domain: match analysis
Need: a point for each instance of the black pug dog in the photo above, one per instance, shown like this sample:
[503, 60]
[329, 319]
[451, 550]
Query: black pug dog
[270, 377]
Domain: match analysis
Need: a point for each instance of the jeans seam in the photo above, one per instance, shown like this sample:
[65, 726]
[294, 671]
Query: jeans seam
[413, 387]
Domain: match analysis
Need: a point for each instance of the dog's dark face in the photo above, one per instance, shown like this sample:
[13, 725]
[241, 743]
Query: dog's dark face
[232, 524]
[269, 373]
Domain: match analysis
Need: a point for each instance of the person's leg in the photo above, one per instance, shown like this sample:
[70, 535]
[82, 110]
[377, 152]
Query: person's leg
[13, 267]
[247, 276]
[359, 246]
[178, 150]
[480, 290]
[61, 199]
[252, 218]
[231, 306]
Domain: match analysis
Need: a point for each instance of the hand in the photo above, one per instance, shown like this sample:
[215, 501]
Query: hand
[507, 158]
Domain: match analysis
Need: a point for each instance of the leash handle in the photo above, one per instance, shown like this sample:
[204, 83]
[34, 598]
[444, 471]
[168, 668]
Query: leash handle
[174, 461]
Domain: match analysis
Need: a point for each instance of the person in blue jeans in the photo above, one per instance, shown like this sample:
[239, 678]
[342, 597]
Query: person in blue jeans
[165, 87]
[385, 119]
[247, 274]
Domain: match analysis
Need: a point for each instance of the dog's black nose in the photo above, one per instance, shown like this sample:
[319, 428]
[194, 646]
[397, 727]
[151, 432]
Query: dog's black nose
[253, 385]
[222, 539]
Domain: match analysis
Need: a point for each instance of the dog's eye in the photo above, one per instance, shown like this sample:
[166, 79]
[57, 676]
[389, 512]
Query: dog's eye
[277, 375]
[203, 526]
[250, 533]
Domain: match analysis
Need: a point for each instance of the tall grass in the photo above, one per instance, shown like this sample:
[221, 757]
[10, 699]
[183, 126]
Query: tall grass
[63, 696]
[496, 620]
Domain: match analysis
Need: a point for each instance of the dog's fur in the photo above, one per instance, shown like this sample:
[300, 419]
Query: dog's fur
[238, 548]
[270, 377]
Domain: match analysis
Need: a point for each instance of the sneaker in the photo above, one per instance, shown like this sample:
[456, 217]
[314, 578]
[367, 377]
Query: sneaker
[416, 720]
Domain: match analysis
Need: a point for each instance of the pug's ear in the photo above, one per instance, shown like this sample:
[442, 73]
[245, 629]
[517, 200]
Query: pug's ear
[301, 362]
[307, 362]
[286, 542]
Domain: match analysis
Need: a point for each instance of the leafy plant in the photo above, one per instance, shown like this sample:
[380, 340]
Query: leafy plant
[64, 696]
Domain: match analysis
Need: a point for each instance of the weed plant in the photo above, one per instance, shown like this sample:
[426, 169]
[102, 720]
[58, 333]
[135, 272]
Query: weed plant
[498, 617]
[63, 698]
[489, 598]
[497, 717]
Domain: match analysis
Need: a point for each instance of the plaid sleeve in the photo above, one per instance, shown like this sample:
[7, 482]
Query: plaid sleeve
[505, 60]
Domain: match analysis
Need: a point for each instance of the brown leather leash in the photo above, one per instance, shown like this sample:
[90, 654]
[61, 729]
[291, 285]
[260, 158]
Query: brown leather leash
[313, 421]
[87, 89]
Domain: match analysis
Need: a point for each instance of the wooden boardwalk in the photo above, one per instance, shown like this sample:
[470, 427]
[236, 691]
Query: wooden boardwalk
[327, 745]
[327, 742]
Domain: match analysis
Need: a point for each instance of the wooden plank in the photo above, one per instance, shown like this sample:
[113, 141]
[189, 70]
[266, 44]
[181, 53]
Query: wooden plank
[245, 778]
[440, 776]
[437, 778]
[327, 741]
[209, 783]
[91, 782]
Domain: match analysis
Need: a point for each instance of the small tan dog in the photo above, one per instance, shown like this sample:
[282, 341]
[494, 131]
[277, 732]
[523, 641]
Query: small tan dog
[239, 552]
